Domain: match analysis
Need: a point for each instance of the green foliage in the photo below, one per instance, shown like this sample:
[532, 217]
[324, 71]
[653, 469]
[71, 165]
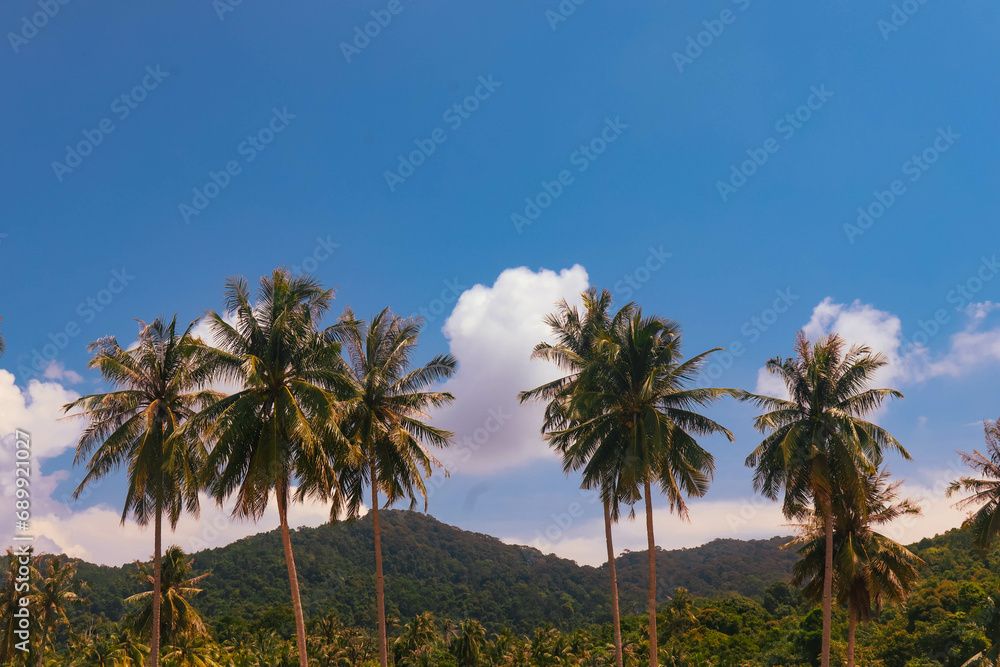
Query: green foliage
[450, 581]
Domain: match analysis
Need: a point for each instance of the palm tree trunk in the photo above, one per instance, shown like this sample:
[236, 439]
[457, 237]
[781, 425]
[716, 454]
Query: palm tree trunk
[293, 579]
[827, 587]
[379, 582]
[154, 644]
[612, 570]
[653, 659]
[852, 622]
[45, 634]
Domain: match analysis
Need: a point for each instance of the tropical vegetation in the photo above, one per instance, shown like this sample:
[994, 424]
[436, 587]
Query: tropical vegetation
[275, 405]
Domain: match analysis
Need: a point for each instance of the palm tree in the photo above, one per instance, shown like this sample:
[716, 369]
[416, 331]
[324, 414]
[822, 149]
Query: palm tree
[637, 415]
[469, 642]
[985, 490]
[3, 342]
[54, 594]
[132, 653]
[418, 634]
[192, 652]
[159, 384]
[680, 613]
[384, 408]
[178, 619]
[576, 345]
[11, 595]
[870, 569]
[817, 442]
[281, 428]
[97, 649]
[989, 620]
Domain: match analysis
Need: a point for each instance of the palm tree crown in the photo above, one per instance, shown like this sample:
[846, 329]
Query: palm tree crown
[178, 619]
[817, 438]
[161, 383]
[985, 490]
[385, 408]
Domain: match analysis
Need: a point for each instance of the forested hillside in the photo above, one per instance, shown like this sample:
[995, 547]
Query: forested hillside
[740, 610]
[431, 566]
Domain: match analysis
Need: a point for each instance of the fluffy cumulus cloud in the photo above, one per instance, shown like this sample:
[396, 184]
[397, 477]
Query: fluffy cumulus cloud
[862, 324]
[492, 331]
[909, 355]
[37, 410]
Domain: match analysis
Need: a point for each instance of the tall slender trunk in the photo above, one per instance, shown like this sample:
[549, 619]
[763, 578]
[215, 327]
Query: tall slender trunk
[379, 582]
[612, 570]
[45, 634]
[653, 658]
[852, 621]
[293, 579]
[827, 587]
[154, 644]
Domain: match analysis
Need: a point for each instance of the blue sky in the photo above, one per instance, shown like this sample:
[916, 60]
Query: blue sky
[617, 110]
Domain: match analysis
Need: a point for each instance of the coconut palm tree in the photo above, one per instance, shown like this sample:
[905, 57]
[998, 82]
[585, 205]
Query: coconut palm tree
[115, 647]
[384, 412]
[681, 612]
[97, 649]
[281, 429]
[469, 643]
[131, 652]
[54, 593]
[638, 418]
[418, 634]
[576, 344]
[870, 569]
[984, 523]
[11, 594]
[192, 652]
[988, 619]
[985, 489]
[178, 619]
[159, 385]
[817, 443]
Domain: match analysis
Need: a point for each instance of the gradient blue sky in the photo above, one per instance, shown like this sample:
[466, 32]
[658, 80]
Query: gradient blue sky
[894, 92]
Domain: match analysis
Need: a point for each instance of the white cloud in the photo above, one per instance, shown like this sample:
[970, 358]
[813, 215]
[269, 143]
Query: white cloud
[861, 324]
[38, 411]
[56, 371]
[910, 359]
[973, 346]
[492, 332]
[769, 384]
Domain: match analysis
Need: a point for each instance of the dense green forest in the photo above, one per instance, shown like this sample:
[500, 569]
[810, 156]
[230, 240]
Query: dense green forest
[431, 566]
[737, 609]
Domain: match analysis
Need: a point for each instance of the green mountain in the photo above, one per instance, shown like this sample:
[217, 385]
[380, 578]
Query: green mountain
[431, 566]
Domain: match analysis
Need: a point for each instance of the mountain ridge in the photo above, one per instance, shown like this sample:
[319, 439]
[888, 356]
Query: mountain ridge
[433, 566]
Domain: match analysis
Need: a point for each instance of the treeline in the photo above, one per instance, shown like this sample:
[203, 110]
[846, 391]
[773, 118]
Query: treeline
[949, 617]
